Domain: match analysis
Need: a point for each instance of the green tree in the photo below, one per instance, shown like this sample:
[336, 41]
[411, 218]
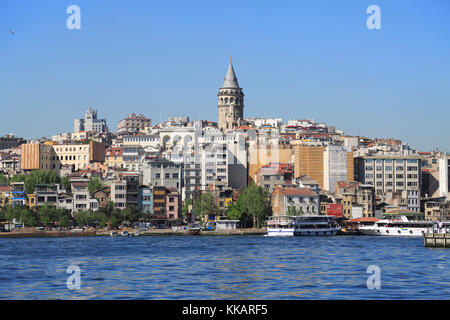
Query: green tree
[204, 204]
[254, 202]
[186, 208]
[82, 218]
[3, 179]
[47, 214]
[12, 213]
[101, 218]
[64, 218]
[234, 212]
[18, 178]
[65, 182]
[40, 177]
[27, 217]
[94, 184]
[114, 222]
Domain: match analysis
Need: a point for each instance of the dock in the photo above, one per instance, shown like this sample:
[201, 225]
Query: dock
[437, 240]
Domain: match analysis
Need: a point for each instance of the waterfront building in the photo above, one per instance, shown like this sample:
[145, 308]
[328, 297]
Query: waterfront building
[133, 182]
[304, 200]
[346, 193]
[172, 204]
[145, 199]
[18, 194]
[366, 198]
[230, 101]
[119, 194]
[45, 193]
[159, 204]
[387, 174]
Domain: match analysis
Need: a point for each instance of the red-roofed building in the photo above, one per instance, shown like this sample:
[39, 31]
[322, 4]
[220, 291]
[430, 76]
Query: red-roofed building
[304, 200]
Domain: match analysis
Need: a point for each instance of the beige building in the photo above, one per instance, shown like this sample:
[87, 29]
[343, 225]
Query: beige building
[53, 156]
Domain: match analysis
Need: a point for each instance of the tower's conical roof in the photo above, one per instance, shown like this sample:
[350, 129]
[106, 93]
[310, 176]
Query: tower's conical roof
[230, 79]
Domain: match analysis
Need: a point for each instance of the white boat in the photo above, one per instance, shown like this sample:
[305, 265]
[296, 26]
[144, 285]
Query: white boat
[280, 226]
[318, 225]
[400, 226]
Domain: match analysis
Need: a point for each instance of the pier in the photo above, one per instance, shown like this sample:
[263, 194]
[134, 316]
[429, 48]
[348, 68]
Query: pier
[437, 240]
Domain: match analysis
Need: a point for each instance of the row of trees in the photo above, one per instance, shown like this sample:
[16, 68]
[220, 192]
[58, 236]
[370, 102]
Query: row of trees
[48, 215]
[48, 177]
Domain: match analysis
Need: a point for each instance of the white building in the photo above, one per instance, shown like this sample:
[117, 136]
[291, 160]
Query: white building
[334, 166]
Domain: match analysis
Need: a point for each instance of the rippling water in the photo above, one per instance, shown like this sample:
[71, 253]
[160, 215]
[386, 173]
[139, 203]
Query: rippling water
[241, 267]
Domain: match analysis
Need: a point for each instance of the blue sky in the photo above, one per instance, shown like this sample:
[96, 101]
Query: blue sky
[294, 59]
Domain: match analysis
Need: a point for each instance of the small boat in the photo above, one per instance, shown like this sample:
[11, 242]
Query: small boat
[195, 229]
[113, 233]
[126, 234]
[280, 226]
[317, 225]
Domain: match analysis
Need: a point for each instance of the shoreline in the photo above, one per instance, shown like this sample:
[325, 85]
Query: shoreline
[158, 232]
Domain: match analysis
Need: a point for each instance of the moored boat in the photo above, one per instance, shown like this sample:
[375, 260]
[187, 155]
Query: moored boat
[280, 226]
[399, 226]
[317, 225]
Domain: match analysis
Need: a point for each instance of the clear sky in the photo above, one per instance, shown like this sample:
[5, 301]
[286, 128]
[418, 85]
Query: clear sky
[294, 59]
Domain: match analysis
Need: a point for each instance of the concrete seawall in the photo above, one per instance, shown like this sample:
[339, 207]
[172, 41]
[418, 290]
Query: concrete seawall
[437, 240]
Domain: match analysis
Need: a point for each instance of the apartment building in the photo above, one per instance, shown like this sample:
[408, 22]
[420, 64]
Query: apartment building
[325, 164]
[145, 199]
[304, 199]
[9, 141]
[133, 124]
[114, 157]
[119, 194]
[52, 156]
[389, 174]
[162, 172]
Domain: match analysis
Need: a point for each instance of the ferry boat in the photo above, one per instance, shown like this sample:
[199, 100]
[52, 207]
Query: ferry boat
[400, 226]
[280, 226]
[318, 225]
